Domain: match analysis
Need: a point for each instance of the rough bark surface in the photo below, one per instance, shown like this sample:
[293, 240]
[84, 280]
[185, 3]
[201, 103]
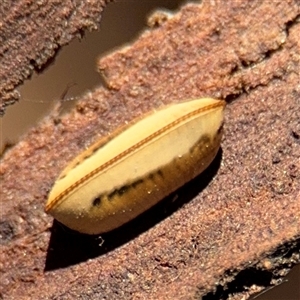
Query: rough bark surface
[31, 32]
[230, 232]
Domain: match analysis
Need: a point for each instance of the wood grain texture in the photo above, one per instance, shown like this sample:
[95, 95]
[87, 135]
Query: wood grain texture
[32, 32]
[242, 214]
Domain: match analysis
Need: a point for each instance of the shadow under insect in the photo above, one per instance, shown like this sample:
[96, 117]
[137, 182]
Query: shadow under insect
[68, 247]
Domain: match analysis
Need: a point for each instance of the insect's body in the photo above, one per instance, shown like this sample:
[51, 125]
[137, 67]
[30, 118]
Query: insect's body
[112, 184]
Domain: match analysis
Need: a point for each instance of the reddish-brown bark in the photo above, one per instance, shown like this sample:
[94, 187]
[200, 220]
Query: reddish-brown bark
[31, 32]
[234, 218]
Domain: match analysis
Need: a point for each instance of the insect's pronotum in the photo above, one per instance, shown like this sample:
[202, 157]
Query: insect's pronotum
[118, 178]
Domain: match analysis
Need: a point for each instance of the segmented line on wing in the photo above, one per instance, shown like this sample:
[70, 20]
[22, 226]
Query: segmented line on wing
[128, 151]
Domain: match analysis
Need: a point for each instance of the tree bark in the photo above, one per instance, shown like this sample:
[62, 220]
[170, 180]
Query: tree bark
[210, 238]
[32, 32]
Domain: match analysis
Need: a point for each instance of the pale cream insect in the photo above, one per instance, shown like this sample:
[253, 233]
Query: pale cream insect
[118, 178]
